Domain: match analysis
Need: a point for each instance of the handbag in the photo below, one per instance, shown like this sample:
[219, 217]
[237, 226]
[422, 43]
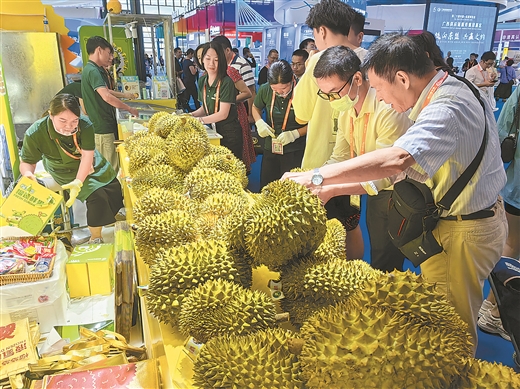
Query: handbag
[508, 145]
[413, 213]
[180, 86]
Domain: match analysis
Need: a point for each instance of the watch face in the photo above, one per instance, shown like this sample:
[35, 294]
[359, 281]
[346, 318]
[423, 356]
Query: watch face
[317, 179]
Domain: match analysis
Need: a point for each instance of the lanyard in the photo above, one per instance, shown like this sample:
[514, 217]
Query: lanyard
[284, 124]
[434, 89]
[217, 94]
[65, 151]
[363, 140]
[482, 73]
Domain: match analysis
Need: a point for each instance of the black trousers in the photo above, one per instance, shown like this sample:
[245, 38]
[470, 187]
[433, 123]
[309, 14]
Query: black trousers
[275, 165]
[385, 256]
[103, 204]
[191, 91]
[232, 137]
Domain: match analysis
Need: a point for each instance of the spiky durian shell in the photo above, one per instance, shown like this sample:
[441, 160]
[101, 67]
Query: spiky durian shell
[159, 200]
[146, 142]
[227, 163]
[155, 119]
[157, 176]
[219, 150]
[142, 157]
[259, 360]
[168, 229]
[186, 148]
[135, 138]
[333, 245]
[287, 222]
[200, 183]
[301, 309]
[180, 269]
[244, 265]
[347, 346]
[222, 307]
[479, 374]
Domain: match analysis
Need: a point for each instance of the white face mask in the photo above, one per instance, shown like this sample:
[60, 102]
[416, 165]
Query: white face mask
[345, 103]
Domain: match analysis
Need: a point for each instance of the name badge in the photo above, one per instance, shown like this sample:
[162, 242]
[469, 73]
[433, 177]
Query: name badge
[276, 147]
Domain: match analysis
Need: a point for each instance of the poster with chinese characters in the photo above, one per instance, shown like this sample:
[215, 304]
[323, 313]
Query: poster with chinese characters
[462, 29]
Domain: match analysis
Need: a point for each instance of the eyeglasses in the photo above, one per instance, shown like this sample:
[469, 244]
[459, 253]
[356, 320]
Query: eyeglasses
[334, 95]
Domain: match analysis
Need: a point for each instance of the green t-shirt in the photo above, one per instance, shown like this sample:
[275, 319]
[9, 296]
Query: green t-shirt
[42, 142]
[263, 99]
[74, 89]
[227, 94]
[102, 114]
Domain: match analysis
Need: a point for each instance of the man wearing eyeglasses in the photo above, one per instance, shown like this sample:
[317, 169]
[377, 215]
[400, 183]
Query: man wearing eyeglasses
[365, 124]
[480, 76]
[298, 62]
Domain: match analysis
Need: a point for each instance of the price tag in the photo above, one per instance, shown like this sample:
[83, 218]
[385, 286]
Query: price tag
[276, 289]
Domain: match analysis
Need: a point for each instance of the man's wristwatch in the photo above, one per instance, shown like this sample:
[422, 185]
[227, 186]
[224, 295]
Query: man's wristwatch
[317, 178]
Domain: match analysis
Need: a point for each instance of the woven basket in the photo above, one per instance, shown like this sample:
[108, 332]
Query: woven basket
[7, 279]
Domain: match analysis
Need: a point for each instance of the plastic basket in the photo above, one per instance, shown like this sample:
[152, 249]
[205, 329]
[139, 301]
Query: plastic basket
[8, 279]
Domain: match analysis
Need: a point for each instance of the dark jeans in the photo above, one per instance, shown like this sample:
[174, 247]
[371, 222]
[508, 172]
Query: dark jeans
[275, 165]
[385, 256]
[191, 92]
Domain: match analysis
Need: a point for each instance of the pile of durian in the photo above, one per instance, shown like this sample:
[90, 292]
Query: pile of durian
[202, 235]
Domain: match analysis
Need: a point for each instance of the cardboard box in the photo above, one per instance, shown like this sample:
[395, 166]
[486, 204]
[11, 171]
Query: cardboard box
[29, 206]
[89, 270]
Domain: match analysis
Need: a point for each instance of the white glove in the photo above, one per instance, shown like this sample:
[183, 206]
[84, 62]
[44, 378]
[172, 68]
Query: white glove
[287, 137]
[263, 129]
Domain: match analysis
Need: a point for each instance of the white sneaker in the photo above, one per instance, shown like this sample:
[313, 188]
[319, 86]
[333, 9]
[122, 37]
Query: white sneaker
[491, 324]
[486, 306]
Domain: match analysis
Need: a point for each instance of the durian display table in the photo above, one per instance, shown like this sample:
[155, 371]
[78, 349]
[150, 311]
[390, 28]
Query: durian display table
[162, 341]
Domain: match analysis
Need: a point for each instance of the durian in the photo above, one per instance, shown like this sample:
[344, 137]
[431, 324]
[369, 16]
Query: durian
[347, 346]
[159, 200]
[154, 119]
[186, 148]
[142, 157]
[178, 269]
[168, 229]
[219, 150]
[175, 124]
[260, 360]
[200, 183]
[157, 176]
[227, 163]
[222, 307]
[333, 245]
[147, 142]
[287, 222]
[486, 375]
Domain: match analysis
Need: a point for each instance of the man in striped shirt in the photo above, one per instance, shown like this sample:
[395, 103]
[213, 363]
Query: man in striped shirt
[242, 66]
[448, 129]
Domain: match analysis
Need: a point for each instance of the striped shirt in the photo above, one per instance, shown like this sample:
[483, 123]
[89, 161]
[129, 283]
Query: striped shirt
[444, 140]
[244, 68]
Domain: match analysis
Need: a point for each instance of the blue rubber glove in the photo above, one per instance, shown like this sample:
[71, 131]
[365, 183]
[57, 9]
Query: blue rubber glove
[287, 137]
[74, 188]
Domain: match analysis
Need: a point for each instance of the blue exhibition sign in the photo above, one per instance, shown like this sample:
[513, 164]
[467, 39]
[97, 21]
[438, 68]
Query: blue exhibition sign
[462, 29]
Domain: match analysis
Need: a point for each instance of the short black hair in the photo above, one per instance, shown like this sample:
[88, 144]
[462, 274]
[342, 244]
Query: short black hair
[341, 61]
[190, 51]
[202, 46]
[245, 49]
[358, 23]
[222, 62]
[280, 72]
[510, 62]
[223, 41]
[177, 49]
[333, 14]
[488, 55]
[273, 51]
[301, 53]
[428, 42]
[305, 42]
[393, 52]
[235, 50]
[97, 41]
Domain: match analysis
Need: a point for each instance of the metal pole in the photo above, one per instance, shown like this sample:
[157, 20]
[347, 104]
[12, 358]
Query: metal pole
[237, 16]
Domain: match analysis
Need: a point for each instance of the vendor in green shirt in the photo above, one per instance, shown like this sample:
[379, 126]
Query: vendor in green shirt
[284, 141]
[64, 140]
[217, 94]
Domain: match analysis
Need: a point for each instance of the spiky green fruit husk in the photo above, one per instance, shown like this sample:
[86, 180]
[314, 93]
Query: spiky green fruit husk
[135, 137]
[347, 346]
[180, 269]
[142, 157]
[171, 228]
[157, 176]
[486, 375]
[222, 307]
[214, 210]
[287, 222]
[152, 122]
[200, 183]
[227, 163]
[301, 309]
[407, 293]
[259, 360]
[187, 148]
[333, 245]
[159, 200]
[244, 265]
[219, 150]
[146, 142]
